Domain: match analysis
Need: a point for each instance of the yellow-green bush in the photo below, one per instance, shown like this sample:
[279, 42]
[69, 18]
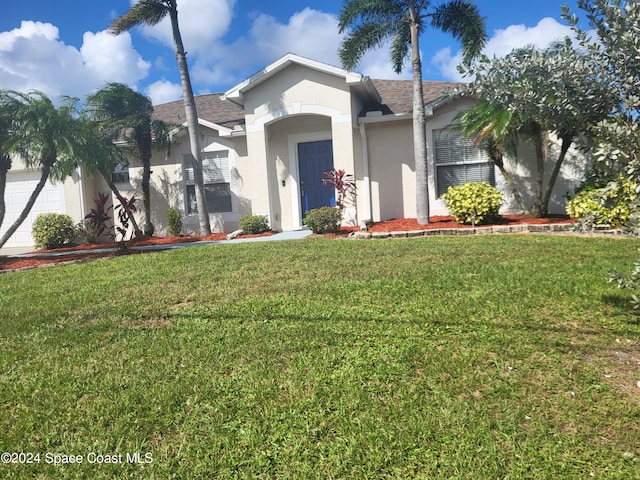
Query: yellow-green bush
[323, 220]
[473, 203]
[53, 230]
[610, 205]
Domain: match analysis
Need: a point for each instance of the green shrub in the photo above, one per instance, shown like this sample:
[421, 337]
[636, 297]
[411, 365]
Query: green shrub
[611, 205]
[53, 230]
[254, 224]
[473, 203]
[174, 221]
[323, 220]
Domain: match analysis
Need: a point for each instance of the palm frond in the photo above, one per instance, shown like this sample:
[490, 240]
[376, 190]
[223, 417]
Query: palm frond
[400, 48]
[364, 37]
[462, 19]
[145, 12]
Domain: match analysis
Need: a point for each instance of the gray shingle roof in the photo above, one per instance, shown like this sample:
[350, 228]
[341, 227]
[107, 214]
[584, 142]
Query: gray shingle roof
[210, 108]
[397, 95]
[397, 98]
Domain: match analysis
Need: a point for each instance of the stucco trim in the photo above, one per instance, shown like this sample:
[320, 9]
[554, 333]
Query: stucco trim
[298, 109]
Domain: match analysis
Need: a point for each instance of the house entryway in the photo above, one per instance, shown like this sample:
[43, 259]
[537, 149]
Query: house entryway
[315, 158]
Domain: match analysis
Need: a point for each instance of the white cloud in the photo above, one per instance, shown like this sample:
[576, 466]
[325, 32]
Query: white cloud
[163, 91]
[207, 20]
[33, 58]
[503, 42]
[309, 33]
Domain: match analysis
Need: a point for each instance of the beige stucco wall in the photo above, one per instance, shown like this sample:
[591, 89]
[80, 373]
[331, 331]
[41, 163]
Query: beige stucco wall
[168, 187]
[392, 169]
[296, 105]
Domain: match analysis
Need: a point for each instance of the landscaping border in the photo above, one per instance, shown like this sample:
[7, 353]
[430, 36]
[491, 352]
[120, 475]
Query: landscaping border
[521, 228]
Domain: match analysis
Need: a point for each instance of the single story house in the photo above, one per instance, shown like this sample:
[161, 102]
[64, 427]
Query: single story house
[267, 141]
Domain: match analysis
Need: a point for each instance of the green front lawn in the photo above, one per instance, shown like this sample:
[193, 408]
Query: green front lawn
[443, 357]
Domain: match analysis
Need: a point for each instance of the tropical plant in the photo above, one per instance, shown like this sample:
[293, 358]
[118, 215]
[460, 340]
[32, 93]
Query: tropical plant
[126, 116]
[97, 220]
[613, 51]
[369, 23]
[174, 221]
[151, 12]
[45, 137]
[494, 129]
[99, 155]
[125, 210]
[8, 105]
[609, 204]
[551, 90]
[343, 183]
[473, 203]
[53, 230]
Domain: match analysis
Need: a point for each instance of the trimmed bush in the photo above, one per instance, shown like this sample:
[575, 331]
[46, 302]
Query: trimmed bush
[473, 203]
[53, 230]
[323, 220]
[253, 224]
[174, 221]
[610, 205]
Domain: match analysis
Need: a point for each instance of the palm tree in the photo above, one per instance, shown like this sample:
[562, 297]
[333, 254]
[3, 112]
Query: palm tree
[8, 107]
[496, 130]
[98, 154]
[151, 12]
[126, 115]
[369, 23]
[45, 137]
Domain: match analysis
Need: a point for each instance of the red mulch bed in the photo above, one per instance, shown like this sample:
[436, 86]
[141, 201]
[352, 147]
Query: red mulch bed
[408, 224]
[401, 224]
[143, 240]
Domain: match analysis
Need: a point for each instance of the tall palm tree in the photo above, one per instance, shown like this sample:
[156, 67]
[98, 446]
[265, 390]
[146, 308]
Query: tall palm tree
[45, 137]
[369, 23]
[126, 115]
[8, 106]
[152, 12]
[496, 130]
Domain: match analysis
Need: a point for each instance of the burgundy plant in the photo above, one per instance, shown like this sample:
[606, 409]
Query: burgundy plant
[343, 183]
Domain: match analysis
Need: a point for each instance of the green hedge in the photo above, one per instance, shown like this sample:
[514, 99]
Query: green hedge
[53, 230]
[473, 203]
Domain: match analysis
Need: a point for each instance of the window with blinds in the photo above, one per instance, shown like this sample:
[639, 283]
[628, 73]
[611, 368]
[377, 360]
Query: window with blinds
[459, 162]
[217, 182]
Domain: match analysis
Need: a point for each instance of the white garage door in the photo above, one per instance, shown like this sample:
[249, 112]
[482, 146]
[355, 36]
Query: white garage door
[19, 188]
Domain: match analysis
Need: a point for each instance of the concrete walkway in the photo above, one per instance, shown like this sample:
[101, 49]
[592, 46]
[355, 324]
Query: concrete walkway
[26, 252]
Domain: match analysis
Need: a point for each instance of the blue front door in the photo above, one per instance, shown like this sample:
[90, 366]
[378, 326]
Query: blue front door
[315, 158]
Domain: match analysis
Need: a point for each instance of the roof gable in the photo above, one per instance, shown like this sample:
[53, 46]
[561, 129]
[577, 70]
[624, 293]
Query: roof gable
[236, 94]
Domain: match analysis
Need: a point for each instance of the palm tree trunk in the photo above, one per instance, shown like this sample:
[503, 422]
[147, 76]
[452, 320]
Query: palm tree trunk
[419, 129]
[144, 141]
[44, 176]
[566, 143]
[540, 143]
[5, 165]
[192, 123]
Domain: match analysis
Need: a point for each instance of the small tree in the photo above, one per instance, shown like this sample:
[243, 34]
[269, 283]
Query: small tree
[551, 90]
[45, 136]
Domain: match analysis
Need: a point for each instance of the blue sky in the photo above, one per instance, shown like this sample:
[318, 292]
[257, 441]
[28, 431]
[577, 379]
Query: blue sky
[61, 47]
